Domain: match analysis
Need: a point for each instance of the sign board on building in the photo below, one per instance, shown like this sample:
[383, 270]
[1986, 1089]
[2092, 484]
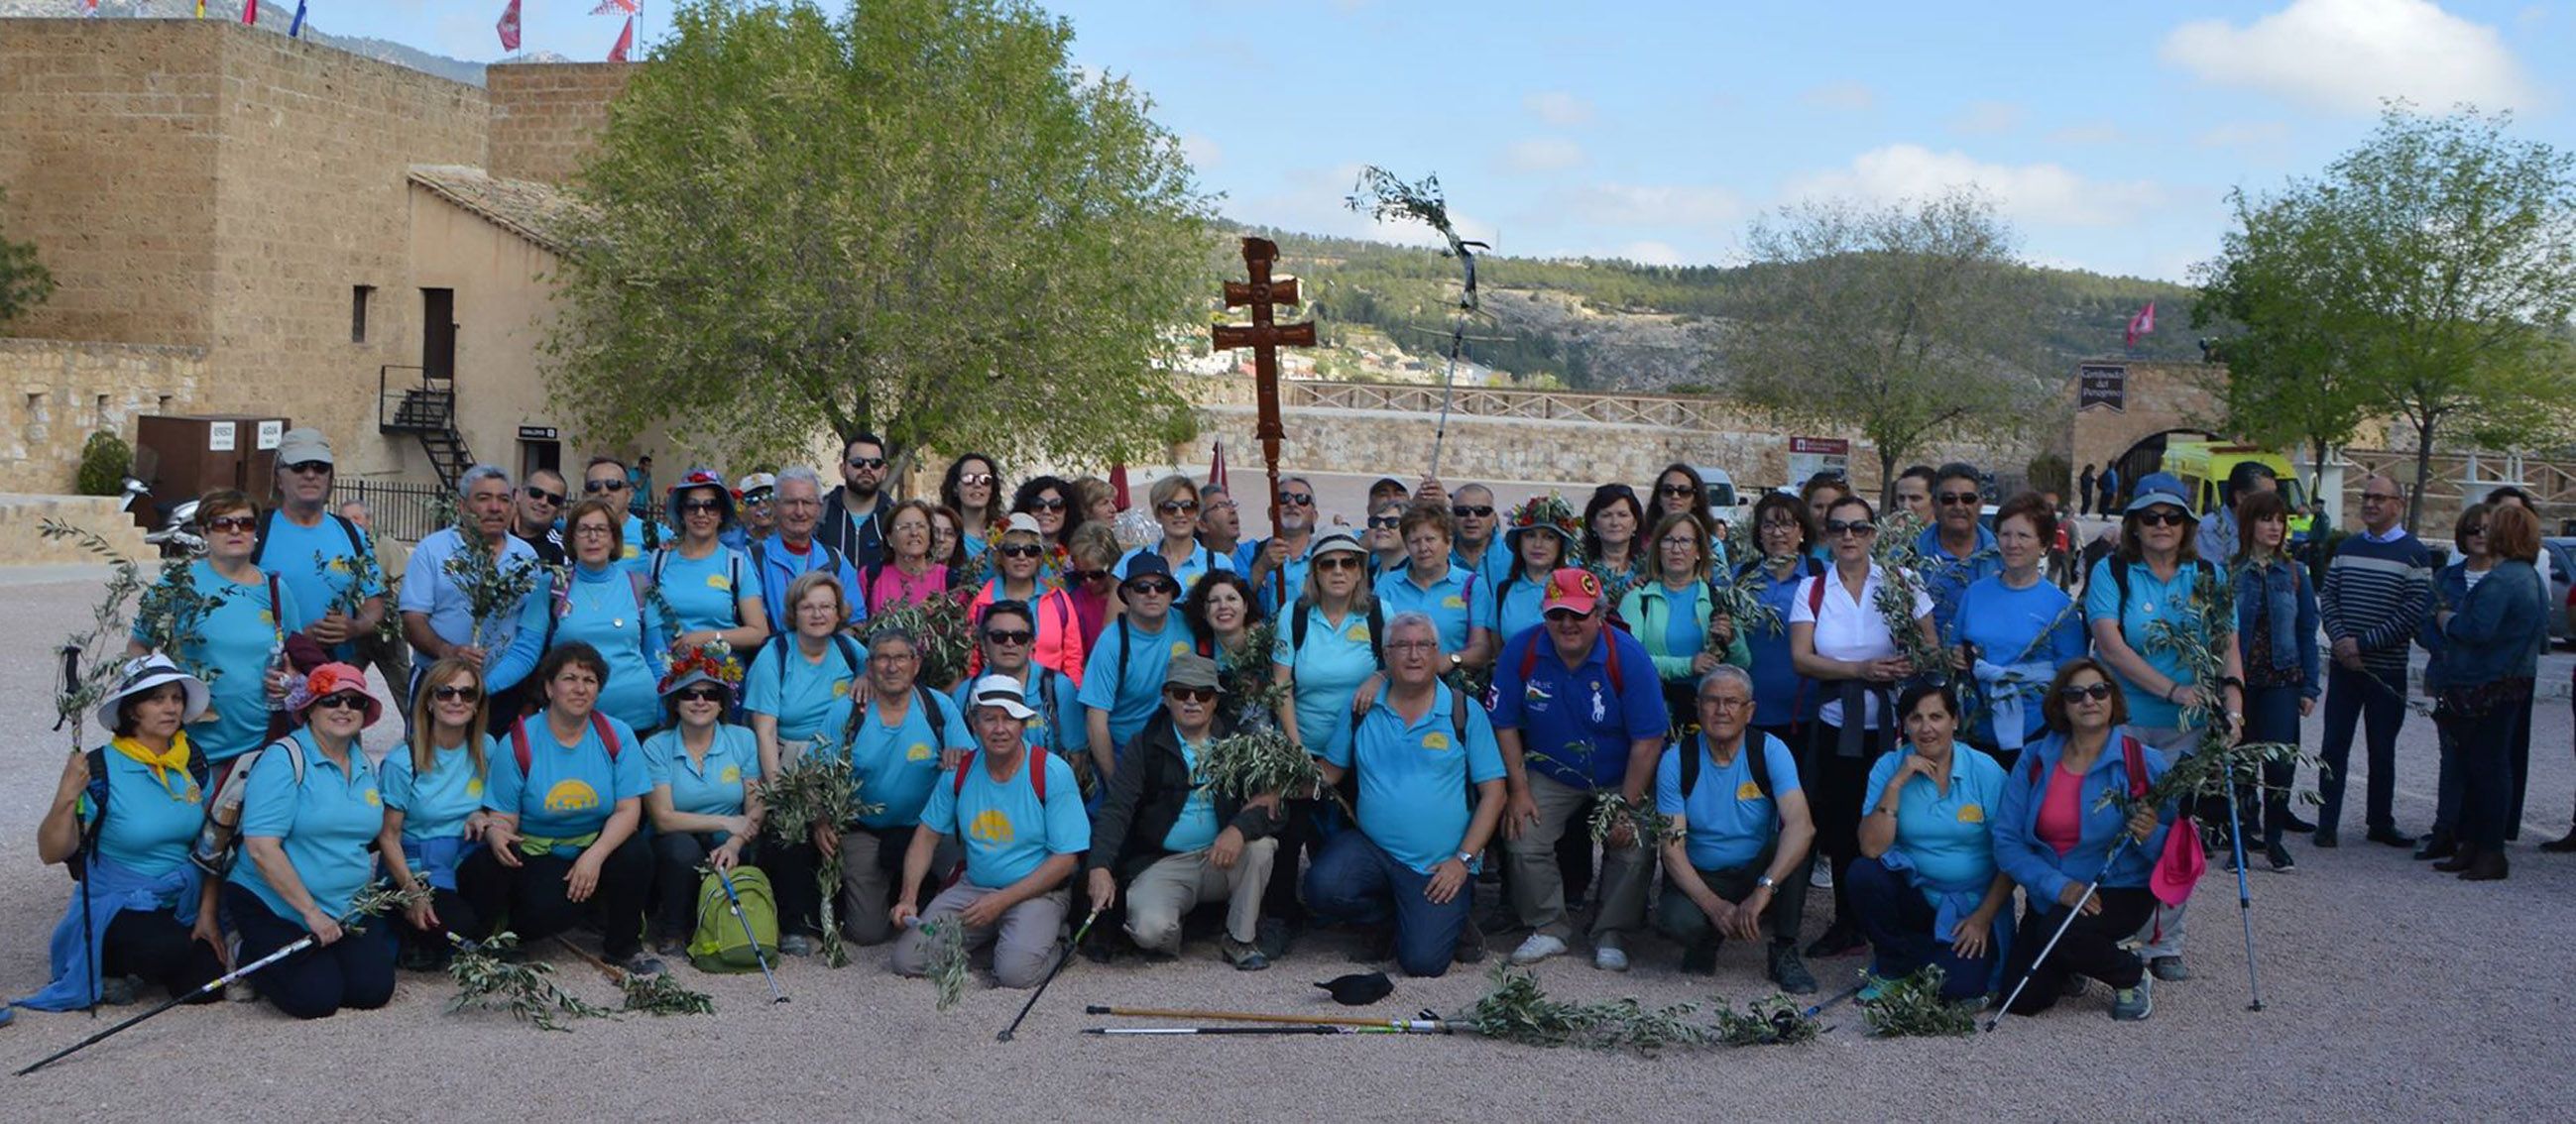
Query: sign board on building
[219, 437]
[537, 433]
[270, 433]
[1811, 455]
[2102, 384]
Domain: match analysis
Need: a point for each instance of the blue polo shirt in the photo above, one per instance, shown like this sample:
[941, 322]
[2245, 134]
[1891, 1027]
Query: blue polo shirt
[2004, 623]
[1519, 604]
[1948, 836]
[1555, 706]
[237, 639]
[1294, 571]
[1336, 659]
[1133, 698]
[568, 791]
[151, 821]
[1058, 727]
[1946, 576]
[428, 589]
[1728, 817]
[633, 554]
[324, 825]
[1458, 602]
[435, 804]
[1199, 564]
[898, 763]
[315, 564]
[807, 697]
[1415, 776]
[2150, 600]
[1196, 827]
[712, 787]
[1489, 564]
[780, 565]
[1007, 832]
[703, 592]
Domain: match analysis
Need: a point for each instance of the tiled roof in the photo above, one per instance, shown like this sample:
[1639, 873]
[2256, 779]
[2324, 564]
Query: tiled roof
[534, 211]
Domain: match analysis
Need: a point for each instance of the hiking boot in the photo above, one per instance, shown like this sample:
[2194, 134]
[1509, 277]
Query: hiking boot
[670, 946]
[1245, 956]
[1872, 985]
[2438, 845]
[1790, 972]
[2561, 845]
[2279, 857]
[642, 963]
[1608, 956]
[2170, 969]
[1274, 936]
[799, 944]
[1700, 959]
[2131, 1004]
[1377, 946]
[2326, 839]
[1838, 940]
[1471, 944]
[1538, 947]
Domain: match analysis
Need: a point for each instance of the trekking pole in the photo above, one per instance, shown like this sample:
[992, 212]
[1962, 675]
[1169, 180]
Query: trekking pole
[71, 689]
[2072, 912]
[1060, 962]
[1426, 1023]
[1308, 1028]
[1835, 998]
[2244, 894]
[734, 902]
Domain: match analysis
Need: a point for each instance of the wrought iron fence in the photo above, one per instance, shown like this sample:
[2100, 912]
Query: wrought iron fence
[402, 509]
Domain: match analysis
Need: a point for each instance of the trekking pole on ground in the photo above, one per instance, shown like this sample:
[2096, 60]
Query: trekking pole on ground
[2072, 912]
[1425, 1023]
[1305, 1028]
[734, 902]
[1060, 962]
[209, 987]
[2244, 894]
[1836, 997]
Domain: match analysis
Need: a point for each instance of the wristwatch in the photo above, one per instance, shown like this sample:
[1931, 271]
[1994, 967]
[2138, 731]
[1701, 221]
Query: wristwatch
[1765, 883]
[1466, 858]
[1456, 660]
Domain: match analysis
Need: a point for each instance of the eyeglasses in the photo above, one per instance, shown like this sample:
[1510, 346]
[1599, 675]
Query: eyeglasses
[1779, 525]
[1561, 615]
[2094, 691]
[1297, 499]
[1047, 503]
[2379, 497]
[456, 694]
[311, 468]
[1011, 637]
[1155, 588]
[1338, 562]
[1958, 499]
[1675, 490]
[593, 530]
[232, 523]
[1680, 543]
[868, 463]
[1020, 550]
[700, 694]
[974, 479]
[1412, 645]
[1191, 694]
[1385, 522]
[694, 507]
[595, 487]
[1177, 507]
[342, 700]
[1862, 527]
[2161, 517]
[550, 499]
[1724, 702]
[1472, 511]
[757, 499]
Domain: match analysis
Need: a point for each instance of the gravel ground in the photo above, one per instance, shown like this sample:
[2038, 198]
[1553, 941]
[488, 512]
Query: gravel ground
[2393, 993]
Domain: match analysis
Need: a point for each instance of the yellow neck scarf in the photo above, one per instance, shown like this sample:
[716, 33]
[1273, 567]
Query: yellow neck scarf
[174, 759]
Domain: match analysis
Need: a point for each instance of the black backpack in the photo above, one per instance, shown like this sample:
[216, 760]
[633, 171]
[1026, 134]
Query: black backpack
[1755, 759]
[733, 574]
[268, 518]
[1297, 632]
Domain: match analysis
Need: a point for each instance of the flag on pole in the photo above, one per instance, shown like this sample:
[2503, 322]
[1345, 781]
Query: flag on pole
[1118, 483]
[201, 9]
[89, 7]
[625, 40]
[250, 13]
[1216, 469]
[295, 30]
[509, 26]
[2142, 323]
[607, 7]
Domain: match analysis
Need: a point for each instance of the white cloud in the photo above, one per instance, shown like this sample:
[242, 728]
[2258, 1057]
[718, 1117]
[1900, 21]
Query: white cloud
[1665, 206]
[1542, 154]
[2243, 134]
[1202, 152]
[1558, 108]
[1851, 97]
[1651, 253]
[2086, 132]
[1987, 117]
[2347, 55]
[2044, 193]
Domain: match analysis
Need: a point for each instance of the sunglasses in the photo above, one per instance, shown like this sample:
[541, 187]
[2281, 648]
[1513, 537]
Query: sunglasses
[974, 479]
[232, 523]
[2094, 691]
[1675, 490]
[550, 499]
[313, 468]
[595, 487]
[1086, 575]
[1014, 636]
[1151, 588]
[1338, 562]
[1862, 527]
[1020, 550]
[1047, 503]
[701, 694]
[1957, 499]
[693, 507]
[1191, 694]
[758, 499]
[2480, 529]
[2166, 517]
[1472, 511]
[869, 463]
[1176, 507]
[342, 700]
[1297, 499]
[1385, 522]
[456, 694]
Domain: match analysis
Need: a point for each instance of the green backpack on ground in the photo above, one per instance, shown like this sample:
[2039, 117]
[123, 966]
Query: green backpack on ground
[721, 944]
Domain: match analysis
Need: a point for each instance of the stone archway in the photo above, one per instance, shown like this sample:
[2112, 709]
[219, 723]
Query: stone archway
[2147, 454]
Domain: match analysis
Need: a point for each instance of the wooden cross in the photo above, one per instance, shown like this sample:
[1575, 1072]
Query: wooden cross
[1265, 339]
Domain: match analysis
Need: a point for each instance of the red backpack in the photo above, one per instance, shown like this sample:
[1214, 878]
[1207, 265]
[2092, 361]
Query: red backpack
[598, 724]
[1036, 772]
[2129, 756]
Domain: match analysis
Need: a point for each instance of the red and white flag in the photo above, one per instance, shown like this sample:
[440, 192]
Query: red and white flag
[625, 40]
[509, 27]
[2142, 323]
[250, 13]
[1216, 469]
[607, 7]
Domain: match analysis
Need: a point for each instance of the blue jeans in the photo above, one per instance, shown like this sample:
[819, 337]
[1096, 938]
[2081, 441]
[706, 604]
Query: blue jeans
[1352, 880]
[1893, 914]
[2271, 715]
[2378, 700]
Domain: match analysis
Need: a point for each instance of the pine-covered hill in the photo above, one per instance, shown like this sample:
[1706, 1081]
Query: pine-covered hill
[1608, 325]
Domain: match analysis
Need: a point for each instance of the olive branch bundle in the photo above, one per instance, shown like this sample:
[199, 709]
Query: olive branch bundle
[1894, 601]
[1740, 600]
[1898, 532]
[940, 630]
[656, 994]
[525, 989]
[1611, 808]
[1255, 763]
[2199, 641]
[947, 958]
[493, 591]
[818, 789]
[106, 632]
[171, 614]
[1774, 1021]
[1514, 1009]
[1912, 1007]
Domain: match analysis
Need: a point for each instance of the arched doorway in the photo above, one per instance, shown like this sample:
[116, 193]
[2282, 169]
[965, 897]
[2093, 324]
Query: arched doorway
[2148, 455]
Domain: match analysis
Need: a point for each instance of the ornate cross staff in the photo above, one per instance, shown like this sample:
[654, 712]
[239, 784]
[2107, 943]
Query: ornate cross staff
[1265, 338]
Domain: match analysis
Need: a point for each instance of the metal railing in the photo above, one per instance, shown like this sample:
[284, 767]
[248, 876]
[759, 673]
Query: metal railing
[403, 510]
[1683, 412]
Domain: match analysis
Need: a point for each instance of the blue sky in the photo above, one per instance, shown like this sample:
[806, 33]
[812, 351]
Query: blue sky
[2110, 134]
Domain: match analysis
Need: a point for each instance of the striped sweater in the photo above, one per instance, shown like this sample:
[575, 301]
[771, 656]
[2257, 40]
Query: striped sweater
[2377, 593]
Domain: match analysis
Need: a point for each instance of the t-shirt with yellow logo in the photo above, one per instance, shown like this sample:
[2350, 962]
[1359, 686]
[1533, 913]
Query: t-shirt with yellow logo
[709, 787]
[567, 791]
[1007, 831]
[435, 804]
[1944, 834]
[898, 762]
[1730, 821]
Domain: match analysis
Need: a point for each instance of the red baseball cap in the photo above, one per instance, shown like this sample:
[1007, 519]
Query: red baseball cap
[1571, 588]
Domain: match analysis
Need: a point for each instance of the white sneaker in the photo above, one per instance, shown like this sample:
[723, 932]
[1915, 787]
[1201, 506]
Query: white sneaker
[1538, 947]
[1610, 959]
[1821, 875]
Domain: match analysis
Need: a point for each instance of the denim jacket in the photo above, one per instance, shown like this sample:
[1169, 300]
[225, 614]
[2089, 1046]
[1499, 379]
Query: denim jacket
[2499, 629]
[2036, 866]
[2277, 597]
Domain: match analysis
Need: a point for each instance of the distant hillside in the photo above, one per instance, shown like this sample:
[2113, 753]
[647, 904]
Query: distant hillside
[277, 16]
[1599, 324]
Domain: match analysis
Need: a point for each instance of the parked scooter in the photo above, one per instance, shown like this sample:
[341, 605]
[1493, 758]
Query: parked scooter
[177, 534]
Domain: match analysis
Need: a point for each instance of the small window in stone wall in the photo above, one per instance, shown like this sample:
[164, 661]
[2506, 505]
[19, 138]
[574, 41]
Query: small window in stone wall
[161, 404]
[99, 411]
[358, 295]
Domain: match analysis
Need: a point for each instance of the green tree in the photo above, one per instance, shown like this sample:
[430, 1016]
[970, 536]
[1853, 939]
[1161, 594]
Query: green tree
[1905, 322]
[917, 218]
[24, 281]
[2289, 379]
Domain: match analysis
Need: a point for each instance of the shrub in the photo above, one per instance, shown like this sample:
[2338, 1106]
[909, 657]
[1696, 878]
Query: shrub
[105, 462]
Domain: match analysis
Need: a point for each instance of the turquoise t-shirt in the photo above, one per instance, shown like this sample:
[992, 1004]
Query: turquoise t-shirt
[807, 697]
[1008, 833]
[1457, 603]
[1131, 699]
[435, 804]
[898, 764]
[2004, 623]
[1517, 607]
[703, 592]
[2150, 601]
[1414, 776]
[1336, 659]
[1199, 564]
[1196, 827]
[151, 821]
[713, 787]
[1948, 837]
[314, 564]
[568, 791]
[237, 641]
[604, 609]
[1058, 726]
[1729, 818]
[325, 825]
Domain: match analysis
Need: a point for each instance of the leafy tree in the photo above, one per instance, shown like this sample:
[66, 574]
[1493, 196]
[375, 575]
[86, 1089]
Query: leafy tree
[918, 219]
[2289, 378]
[24, 281]
[1905, 322]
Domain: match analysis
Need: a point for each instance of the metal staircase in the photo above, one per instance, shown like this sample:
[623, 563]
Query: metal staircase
[427, 411]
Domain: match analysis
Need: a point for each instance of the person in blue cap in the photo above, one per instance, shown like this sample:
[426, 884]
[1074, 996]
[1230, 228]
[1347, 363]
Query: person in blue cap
[1122, 682]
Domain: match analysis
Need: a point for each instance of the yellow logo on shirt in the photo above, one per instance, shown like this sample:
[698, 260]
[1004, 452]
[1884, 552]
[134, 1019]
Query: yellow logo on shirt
[1748, 791]
[631, 551]
[992, 827]
[192, 795]
[338, 566]
[840, 688]
[571, 796]
[1453, 601]
[375, 800]
[730, 774]
[1358, 634]
[920, 751]
[719, 581]
[1970, 813]
[1435, 740]
[1180, 647]
[474, 786]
